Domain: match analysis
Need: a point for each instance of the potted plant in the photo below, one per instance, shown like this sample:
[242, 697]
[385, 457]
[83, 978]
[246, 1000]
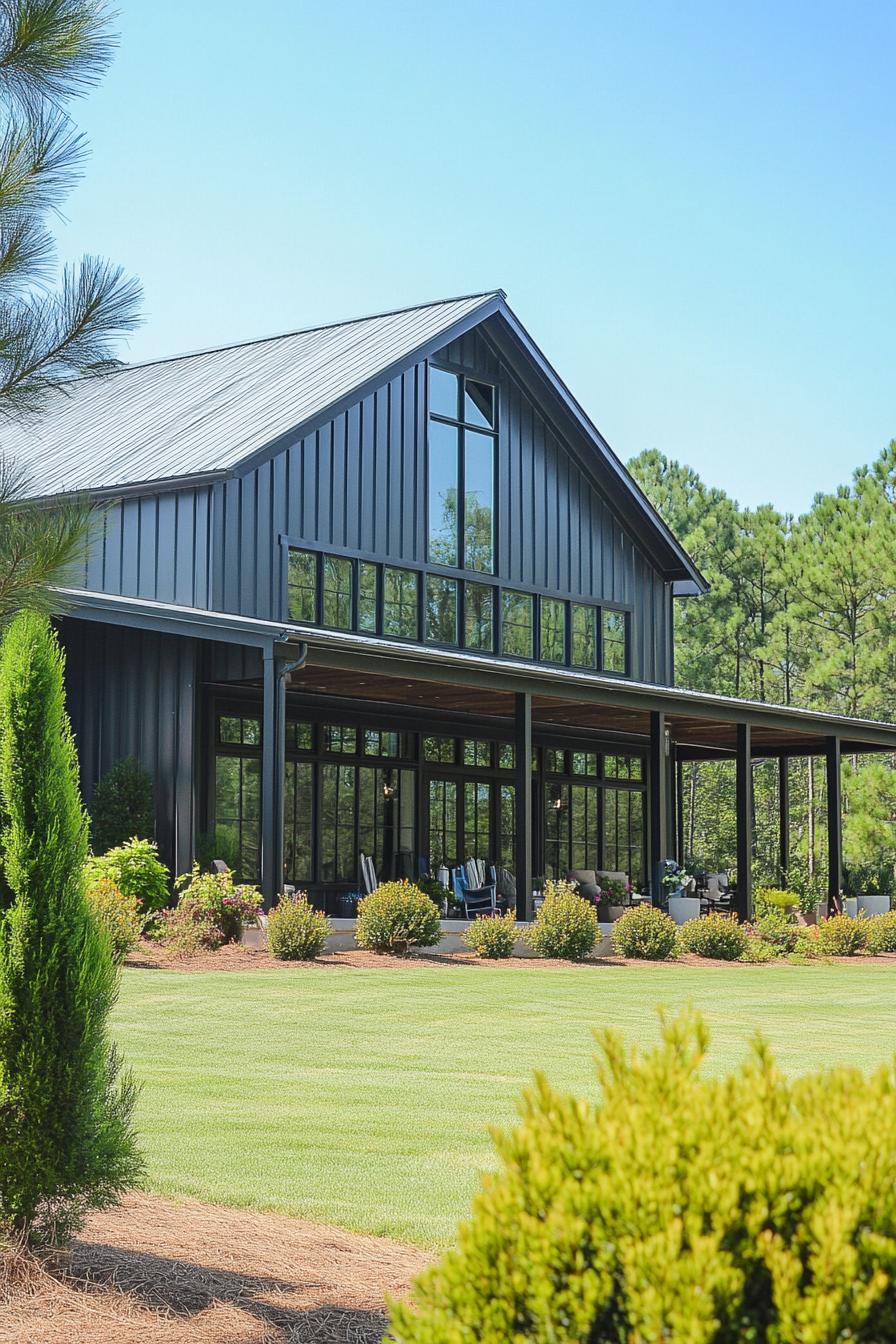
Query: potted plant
[682, 905]
[874, 904]
[617, 893]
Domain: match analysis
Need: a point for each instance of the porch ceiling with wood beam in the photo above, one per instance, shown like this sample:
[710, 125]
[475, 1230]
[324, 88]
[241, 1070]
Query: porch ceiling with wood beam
[602, 708]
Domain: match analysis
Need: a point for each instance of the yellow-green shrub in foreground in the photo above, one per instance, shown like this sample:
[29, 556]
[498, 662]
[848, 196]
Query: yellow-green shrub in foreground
[680, 1208]
[296, 931]
[492, 936]
[395, 918]
[566, 925]
[880, 933]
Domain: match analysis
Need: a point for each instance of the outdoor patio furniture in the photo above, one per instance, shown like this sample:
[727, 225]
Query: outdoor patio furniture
[717, 894]
[586, 883]
[475, 900]
[369, 879]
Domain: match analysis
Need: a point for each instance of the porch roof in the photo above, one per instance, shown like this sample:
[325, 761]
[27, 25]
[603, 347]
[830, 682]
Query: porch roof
[406, 675]
[701, 725]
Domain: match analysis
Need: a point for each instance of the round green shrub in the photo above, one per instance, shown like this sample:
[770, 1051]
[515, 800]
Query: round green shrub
[492, 936]
[395, 918]
[717, 937]
[679, 1207]
[566, 926]
[122, 806]
[841, 936]
[296, 931]
[136, 869]
[880, 933]
[645, 932]
[117, 913]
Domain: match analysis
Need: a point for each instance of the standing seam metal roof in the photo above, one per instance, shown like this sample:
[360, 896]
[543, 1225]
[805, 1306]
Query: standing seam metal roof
[207, 414]
[204, 413]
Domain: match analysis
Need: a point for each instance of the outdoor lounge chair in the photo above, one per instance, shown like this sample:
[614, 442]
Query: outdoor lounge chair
[476, 897]
[717, 895]
[369, 879]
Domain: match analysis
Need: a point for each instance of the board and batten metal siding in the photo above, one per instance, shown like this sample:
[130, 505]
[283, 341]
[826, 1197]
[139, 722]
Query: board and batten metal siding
[354, 484]
[133, 693]
[155, 546]
[357, 483]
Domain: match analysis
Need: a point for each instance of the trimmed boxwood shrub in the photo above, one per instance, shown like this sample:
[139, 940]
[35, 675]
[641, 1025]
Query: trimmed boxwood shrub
[566, 925]
[136, 869]
[296, 931]
[880, 933]
[645, 932]
[717, 937]
[492, 936]
[395, 918]
[841, 936]
[679, 1207]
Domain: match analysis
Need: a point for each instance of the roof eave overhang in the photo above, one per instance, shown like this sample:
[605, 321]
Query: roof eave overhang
[134, 489]
[347, 650]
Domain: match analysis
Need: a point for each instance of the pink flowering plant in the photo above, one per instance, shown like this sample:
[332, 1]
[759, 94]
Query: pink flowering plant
[211, 911]
[617, 890]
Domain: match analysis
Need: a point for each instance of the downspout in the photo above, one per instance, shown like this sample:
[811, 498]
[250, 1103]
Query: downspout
[293, 665]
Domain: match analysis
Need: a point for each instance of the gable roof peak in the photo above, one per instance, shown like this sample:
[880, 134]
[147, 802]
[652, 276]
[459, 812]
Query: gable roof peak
[483, 295]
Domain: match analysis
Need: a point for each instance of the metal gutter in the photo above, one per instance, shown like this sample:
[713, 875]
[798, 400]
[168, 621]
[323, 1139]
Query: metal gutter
[175, 619]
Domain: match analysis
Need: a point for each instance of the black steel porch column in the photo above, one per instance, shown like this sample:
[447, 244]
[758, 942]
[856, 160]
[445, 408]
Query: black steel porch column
[273, 769]
[659, 801]
[744, 792]
[679, 810]
[835, 825]
[522, 778]
[783, 818]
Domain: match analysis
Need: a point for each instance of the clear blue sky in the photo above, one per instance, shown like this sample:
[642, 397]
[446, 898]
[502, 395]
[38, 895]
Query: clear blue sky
[691, 206]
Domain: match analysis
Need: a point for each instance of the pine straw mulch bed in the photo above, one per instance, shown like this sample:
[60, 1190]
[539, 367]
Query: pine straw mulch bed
[156, 1271]
[152, 956]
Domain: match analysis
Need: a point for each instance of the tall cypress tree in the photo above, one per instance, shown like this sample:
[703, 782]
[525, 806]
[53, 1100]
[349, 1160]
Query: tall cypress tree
[66, 1138]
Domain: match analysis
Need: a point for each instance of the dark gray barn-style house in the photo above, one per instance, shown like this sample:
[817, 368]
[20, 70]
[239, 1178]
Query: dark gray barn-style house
[382, 586]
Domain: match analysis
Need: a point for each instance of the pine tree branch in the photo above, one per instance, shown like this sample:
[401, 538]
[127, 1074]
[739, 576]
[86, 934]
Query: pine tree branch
[52, 50]
[52, 337]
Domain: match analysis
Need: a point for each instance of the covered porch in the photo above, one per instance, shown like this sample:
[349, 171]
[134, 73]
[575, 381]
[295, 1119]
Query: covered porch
[563, 739]
[310, 744]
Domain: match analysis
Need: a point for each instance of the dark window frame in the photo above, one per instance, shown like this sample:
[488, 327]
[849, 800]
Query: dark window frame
[463, 377]
[461, 578]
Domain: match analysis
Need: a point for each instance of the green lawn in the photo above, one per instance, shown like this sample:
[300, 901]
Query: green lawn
[362, 1098]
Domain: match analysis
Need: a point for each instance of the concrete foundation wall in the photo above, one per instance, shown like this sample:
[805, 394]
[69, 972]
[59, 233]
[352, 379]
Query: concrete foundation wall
[342, 938]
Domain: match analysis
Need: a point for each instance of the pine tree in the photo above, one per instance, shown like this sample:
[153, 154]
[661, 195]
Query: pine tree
[66, 1138]
[52, 326]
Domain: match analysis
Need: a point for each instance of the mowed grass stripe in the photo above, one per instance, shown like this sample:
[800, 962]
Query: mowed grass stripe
[363, 1097]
